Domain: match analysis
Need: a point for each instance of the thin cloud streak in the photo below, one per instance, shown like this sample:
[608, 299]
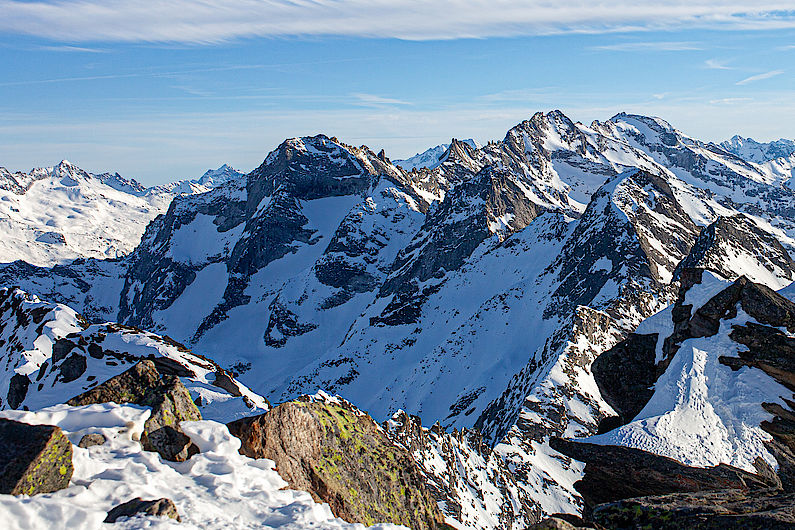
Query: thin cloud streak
[714, 64]
[760, 77]
[650, 46]
[212, 21]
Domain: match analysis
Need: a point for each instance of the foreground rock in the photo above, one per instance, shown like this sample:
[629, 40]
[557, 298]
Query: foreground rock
[342, 457]
[166, 395]
[33, 458]
[138, 506]
[614, 473]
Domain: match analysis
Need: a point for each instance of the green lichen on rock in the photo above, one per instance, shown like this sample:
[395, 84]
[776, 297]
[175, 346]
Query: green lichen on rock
[33, 458]
[342, 457]
[168, 398]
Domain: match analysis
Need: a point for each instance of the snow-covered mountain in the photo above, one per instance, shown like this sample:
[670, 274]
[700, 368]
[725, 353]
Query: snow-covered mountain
[476, 292]
[53, 215]
[430, 158]
[758, 152]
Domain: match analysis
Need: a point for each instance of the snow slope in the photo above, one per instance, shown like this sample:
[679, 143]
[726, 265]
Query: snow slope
[51, 354]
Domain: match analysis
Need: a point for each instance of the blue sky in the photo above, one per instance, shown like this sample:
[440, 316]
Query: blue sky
[162, 91]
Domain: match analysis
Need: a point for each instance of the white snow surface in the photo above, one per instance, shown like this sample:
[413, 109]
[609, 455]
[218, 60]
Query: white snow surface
[216, 489]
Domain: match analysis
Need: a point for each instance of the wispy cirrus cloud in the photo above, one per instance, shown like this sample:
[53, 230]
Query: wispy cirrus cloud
[210, 21]
[662, 46]
[759, 77]
[729, 101]
[715, 64]
[71, 49]
[372, 100]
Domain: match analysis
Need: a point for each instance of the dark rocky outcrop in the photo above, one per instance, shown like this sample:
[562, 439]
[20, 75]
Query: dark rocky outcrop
[17, 390]
[626, 374]
[33, 458]
[342, 457]
[137, 506]
[166, 395]
[716, 510]
[614, 473]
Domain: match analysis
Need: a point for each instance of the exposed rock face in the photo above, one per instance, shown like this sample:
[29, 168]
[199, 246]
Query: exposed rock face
[138, 506]
[472, 482]
[626, 374]
[166, 395]
[613, 473]
[33, 458]
[342, 457]
[561, 522]
[734, 246]
[714, 510]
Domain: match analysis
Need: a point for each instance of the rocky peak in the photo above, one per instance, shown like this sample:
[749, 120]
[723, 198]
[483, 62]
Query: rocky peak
[732, 246]
[646, 130]
[461, 153]
[491, 202]
[216, 177]
[313, 167]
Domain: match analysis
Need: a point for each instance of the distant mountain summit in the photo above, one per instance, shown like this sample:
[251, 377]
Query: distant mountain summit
[758, 152]
[430, 158]
[53, 215]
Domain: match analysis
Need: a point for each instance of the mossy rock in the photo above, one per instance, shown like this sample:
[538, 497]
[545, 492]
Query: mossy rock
[33, 458]
[342, 457]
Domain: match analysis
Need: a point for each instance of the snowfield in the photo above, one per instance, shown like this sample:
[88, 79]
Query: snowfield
[216, 489]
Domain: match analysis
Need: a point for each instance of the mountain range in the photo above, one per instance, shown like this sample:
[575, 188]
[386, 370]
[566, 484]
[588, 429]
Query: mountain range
[475, 288]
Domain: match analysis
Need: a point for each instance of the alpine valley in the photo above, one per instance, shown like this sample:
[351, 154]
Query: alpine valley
[574, 326]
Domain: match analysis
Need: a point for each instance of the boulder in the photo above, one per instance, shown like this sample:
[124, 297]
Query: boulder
[166, 395]
[90, 440]
[33, 458]
[342, 457]
[137, 506]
